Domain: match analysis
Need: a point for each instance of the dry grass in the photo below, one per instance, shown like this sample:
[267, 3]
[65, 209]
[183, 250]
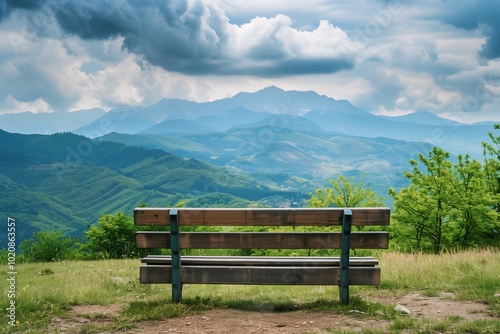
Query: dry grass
[471, 275]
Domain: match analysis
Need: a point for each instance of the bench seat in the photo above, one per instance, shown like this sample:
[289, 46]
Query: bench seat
[274, 261]
[260, 270]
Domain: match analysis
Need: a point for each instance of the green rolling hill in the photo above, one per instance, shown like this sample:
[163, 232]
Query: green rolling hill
[312, 156]
[66, 182]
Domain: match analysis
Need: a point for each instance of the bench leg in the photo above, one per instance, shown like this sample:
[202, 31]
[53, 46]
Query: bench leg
[176, 293]
[176, 257]
[344, 257]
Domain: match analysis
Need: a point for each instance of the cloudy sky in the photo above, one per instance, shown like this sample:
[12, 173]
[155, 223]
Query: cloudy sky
[388, 57]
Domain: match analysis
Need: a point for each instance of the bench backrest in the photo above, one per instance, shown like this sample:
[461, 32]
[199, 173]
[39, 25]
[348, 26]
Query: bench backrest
[262, 217]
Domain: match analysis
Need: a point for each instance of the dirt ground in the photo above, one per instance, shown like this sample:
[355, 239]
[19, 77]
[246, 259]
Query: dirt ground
[236, 321]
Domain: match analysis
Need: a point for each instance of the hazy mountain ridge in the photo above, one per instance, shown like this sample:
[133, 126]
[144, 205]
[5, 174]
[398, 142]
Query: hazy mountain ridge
[174, 116]
[48, 123]
[241, 109]
[275, 108]
[424, 118]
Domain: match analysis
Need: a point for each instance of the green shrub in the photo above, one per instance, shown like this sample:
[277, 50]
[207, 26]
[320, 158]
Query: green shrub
[47, 246]
[113, 237]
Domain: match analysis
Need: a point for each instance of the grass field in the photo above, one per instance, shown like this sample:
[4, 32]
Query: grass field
[47, 290]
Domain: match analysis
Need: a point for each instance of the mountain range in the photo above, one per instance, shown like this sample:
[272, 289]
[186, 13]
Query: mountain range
[246, 110]
[174, 117]
[272, 147]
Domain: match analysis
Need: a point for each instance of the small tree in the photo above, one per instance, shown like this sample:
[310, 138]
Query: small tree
[475, 214]
[345, 192]
[45, 246]
[425, 205]
[112, 237]
[445, 206]
[491, 153]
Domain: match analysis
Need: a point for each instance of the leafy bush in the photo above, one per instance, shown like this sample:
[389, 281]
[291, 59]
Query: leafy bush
[47, 246]
[112, 237]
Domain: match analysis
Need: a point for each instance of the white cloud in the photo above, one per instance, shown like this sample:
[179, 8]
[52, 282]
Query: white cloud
[15, 106]
[385, 58]
[275, 38]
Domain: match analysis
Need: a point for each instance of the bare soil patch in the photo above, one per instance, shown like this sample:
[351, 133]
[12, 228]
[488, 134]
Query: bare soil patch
[239, 322]
[236, 322]
[440, 307]
[82, 315]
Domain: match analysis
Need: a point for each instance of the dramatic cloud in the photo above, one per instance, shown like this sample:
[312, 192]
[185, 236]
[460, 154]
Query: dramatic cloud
[278, 49]
[7, 6]
[46, 74]
[388, 56]
[477, 14]
[195, 37]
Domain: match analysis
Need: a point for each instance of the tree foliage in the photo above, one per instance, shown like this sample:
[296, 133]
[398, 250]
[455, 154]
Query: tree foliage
[446, 205]
[475, 214]
[112, 237]
[491, 153]
[345, 192]
[46, 246]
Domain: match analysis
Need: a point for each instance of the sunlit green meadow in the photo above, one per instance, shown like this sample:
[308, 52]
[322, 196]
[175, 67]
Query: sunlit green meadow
[48, 290]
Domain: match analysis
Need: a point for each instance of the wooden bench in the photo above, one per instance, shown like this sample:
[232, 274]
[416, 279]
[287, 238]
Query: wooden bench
[342, 271]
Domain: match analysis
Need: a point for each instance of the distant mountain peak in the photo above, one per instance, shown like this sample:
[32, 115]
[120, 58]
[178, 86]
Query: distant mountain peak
[423, 118]
[264, 91]
[277, 90]
[272, 89]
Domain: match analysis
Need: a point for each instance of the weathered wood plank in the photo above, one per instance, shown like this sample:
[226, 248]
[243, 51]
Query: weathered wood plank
[263, 240]
[250, 261]
[261, 275]
[151, 216]
[262, 217]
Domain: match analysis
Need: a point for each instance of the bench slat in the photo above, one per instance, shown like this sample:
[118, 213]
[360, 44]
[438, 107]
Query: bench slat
[260, 275]
[262, 217]
[310, 261]
[263, 240]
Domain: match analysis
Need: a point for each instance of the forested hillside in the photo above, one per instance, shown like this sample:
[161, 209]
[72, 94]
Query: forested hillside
[65, 182]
